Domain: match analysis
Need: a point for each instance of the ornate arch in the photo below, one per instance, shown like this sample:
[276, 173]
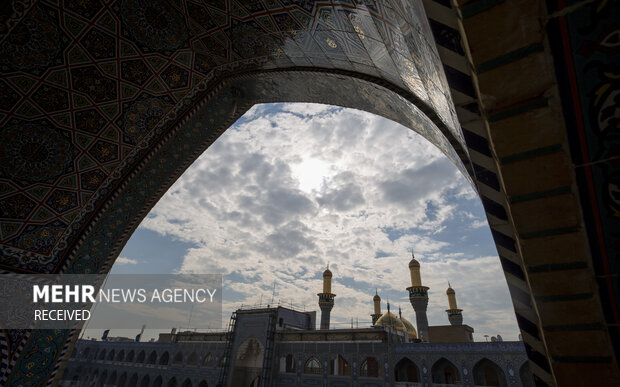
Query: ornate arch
[488, 373]
[406, 370]
[313, 366]
[445, 371]
[164, 359]
[152, 359]
[370, 367]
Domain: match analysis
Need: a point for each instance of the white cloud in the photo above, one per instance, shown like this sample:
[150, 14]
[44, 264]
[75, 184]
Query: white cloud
[479, 223]
[307, 109]
[125, 261]
[371, 186]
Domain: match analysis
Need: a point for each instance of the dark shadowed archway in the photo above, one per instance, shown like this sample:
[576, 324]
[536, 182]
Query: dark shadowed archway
[192, 360]
[141, 357]
[122, 381]
[406, 371]
[370, 368]
[178, 359]
[445, 372]
[207, 360]
[163, 360]
[487, 373]
[249, 362]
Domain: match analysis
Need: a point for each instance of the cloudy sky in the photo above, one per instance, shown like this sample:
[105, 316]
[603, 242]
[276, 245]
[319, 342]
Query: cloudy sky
[291, 187]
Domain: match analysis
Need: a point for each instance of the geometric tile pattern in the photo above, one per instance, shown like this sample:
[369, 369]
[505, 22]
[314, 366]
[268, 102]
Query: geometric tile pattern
[89, 86]
[84, 82]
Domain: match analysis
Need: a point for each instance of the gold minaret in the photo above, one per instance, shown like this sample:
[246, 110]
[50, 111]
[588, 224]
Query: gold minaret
[326, 298]
[377, 301]
[414, 271]
[451, 297]
[327, 280]
[418, 296]
[454, 313]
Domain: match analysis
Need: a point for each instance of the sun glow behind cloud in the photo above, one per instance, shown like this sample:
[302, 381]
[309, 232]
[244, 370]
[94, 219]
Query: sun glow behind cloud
[311, 174]
[292, 186]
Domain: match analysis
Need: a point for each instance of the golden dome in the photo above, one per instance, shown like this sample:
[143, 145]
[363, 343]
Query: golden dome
[389, 319]
[411, 332]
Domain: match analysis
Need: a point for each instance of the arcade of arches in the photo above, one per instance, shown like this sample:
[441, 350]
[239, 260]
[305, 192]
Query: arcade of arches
[103, 106]
[87, 376]
[443, 371]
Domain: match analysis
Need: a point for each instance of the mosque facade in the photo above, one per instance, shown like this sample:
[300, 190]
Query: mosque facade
[279, 346]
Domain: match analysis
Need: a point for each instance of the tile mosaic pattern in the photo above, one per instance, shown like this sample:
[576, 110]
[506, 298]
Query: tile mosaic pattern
[89, 88]
[86, 83]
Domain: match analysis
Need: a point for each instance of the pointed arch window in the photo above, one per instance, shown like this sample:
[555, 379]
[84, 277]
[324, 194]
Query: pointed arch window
[178, 359]
[370, 368]
[208, 360]
[313, 366]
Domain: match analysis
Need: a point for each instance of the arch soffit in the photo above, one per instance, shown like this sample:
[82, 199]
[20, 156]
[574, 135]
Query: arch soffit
[225, 106]
[67, 247]
[411, 68]
[455, 364]
[405, 357]
[483, 359]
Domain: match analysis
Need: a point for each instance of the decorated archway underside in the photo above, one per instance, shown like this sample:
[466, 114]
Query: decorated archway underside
[89, 88]
[95, 93]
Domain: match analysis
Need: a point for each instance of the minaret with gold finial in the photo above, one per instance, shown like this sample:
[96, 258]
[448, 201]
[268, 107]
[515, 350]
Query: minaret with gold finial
[454, 313]
[326, 299]
[377, 301]
[418, 296]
